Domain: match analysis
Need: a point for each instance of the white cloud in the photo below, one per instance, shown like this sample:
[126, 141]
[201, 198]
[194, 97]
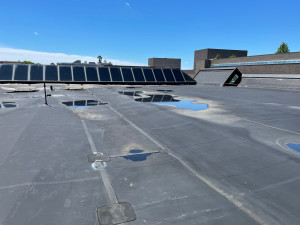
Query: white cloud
[12, 54]
[36, 33]
[127, 4]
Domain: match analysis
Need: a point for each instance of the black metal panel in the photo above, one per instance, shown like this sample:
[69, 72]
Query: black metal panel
[36, 73]
[65, 73]
[6, 72]
[51, 73]
[168, 75]
[104, 74]
[78, 73]
[149, 75]
[21, 72]
[159, 75]
[127, 74]
[178, 75]
[138, 75]
[91, 74]
[116, 74]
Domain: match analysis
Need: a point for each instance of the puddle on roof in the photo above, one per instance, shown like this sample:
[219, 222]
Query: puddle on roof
[158, 98]
[22, 91]
[131, 93]
[165, 90]
[74, 89]
[136, 151]
[137, 157]
[132, 87]
[186, 104]
[79, 104]
[295, 147]
[8, 105]
[162, 99]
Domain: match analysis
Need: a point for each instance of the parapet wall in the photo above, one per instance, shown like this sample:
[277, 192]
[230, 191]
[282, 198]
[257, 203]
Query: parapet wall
[257, 58]
[288, 63]
[271, 69]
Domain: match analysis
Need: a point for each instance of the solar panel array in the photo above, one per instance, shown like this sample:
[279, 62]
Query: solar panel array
[20, 73]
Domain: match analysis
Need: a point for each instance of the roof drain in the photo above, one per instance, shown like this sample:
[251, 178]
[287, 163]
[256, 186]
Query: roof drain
[121, 212]
[98, 156]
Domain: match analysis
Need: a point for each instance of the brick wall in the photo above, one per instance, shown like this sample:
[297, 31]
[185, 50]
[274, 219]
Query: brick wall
[265, 69]
[272, 57]
[271, 69]
[202, 57]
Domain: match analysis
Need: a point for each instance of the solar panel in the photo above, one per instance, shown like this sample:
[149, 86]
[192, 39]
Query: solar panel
[51, 73]
[138, 74]
[116, 74]
[104, 74]
[91, 74]
[78, 73]
[127, 74]
[65, 73]
[6, 72]
[159, 75]
[169, 75]
[178, 75]
[36, 73]
[149, 75]
[21, 72]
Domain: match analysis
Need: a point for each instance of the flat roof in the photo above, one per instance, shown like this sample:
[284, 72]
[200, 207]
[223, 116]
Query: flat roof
[165, 162]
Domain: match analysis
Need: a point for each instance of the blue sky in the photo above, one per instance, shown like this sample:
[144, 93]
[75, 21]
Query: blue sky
[131, 31]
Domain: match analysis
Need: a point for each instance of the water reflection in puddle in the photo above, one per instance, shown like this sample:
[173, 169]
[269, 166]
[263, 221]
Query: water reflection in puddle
[186, 104]
[130, 93]
[295, 147]
[132, 87]
[136, 151]
[74, 89]
[8, 105]
[83, 103]
[161, 99]
[137, 157]
[165, 90]
[158, 98]
[22, 91]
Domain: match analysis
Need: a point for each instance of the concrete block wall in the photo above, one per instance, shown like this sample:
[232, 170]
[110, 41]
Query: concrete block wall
[164, 62]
